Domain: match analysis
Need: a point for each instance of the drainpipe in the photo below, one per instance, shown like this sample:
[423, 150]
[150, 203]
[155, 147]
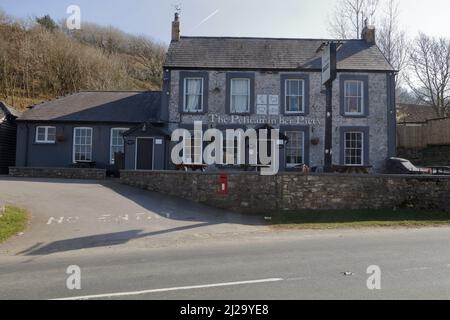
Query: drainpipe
[27, 131]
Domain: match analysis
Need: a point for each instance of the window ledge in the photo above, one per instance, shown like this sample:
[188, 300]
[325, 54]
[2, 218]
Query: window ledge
[301, 113]
[240, 113]
[346, 115]
[193, 113]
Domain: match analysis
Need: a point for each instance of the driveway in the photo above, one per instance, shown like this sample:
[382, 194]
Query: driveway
[70, 215]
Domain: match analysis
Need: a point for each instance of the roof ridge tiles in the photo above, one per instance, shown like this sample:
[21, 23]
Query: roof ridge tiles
[266, 38]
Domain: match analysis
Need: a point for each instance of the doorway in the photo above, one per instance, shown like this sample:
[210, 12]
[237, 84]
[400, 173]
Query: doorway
[144, 153]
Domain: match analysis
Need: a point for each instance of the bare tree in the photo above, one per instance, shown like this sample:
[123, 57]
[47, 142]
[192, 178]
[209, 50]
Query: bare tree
[38, 63]
[392, 41]
[349, 17]
[429, 75]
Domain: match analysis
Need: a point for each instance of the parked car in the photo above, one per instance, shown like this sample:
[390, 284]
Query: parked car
[404, 166]
[441, 170]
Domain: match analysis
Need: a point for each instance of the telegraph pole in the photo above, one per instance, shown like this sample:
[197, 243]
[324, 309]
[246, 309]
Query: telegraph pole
[329, 74]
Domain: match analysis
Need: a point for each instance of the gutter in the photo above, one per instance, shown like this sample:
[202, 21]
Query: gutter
[279, 70]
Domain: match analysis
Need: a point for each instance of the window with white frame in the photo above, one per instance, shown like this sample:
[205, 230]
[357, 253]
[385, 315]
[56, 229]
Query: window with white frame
[354, 148]
[117, 143]
[82, 145]
[294, 95]
[354, 97]
[240, 96]
[45, 135]
[193, 95]
[295, 148]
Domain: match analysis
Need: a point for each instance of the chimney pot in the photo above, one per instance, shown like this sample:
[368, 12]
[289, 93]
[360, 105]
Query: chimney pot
[176, 28]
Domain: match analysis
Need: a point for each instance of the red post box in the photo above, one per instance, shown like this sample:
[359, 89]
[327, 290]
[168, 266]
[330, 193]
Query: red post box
[223, 184]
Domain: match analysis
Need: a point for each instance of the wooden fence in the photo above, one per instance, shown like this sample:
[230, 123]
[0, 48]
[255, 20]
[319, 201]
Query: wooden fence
[421, 135]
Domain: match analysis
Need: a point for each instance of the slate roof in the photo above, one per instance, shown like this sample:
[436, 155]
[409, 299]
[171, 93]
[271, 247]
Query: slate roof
[413, 113]
[99, 106]
[157, 129]
[7, 110]
[270, 53]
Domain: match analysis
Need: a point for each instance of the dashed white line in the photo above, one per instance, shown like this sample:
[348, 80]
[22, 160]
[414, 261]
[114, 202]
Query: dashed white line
[135, 293]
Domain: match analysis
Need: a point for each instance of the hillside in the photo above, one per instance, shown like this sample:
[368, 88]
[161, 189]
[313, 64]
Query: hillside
[42, 60]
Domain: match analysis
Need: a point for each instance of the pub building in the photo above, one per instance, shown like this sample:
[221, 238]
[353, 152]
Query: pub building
[231, 83]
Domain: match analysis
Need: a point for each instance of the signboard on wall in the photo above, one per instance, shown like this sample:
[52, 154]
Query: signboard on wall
[274, 110]
[274, 99]
[261, 99]
[261, 109]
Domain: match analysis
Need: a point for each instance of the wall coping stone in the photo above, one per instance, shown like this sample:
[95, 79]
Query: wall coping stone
[57, 172]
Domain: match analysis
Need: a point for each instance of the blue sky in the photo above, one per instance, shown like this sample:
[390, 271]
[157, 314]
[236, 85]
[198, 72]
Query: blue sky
[259, 18]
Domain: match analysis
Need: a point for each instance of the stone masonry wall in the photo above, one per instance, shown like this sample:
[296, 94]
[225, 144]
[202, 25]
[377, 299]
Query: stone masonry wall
[270, 83]
[65, 173]
[255, 194]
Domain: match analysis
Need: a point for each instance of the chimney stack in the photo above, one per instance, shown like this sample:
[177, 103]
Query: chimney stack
[368, 33]
[176, 28]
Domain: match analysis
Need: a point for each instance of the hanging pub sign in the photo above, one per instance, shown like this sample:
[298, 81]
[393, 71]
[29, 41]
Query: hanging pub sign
[329, 63]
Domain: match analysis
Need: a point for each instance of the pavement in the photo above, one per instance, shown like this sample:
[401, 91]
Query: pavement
[181, 250]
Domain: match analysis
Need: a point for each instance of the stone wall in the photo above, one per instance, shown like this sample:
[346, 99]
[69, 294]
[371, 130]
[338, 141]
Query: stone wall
[252, 193]
[269, 83]
[65, 173]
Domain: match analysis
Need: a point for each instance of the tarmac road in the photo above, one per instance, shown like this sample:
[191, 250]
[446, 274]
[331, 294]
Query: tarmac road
[200, 253]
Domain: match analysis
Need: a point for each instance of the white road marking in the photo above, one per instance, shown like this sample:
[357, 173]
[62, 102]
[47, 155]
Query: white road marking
[56, 220]
[135, 293]
[298, 279]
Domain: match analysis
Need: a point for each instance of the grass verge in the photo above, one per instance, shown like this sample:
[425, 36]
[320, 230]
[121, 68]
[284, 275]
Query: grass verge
[339, 219]
[12, 221]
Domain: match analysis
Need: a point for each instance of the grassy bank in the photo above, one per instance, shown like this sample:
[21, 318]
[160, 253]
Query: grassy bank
[336, 219]
[12, 221]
